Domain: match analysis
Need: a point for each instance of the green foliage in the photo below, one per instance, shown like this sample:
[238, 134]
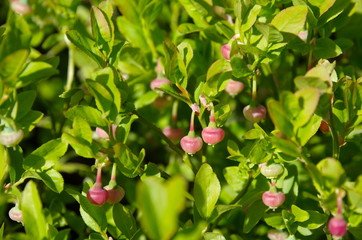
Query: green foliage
[75, 96]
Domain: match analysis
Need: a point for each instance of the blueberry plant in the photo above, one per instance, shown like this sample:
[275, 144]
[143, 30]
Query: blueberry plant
[180, 119]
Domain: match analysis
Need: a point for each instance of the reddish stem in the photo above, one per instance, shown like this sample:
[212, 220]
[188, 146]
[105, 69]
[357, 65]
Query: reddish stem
[212, 117]
[99, 175]
[339, 204]
[192, 128]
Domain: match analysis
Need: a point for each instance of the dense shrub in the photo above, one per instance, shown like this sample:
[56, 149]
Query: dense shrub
[103, 105]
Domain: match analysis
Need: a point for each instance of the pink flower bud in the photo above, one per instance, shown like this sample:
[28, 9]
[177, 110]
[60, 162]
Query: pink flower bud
[115, 195]
[191, 144]
[337, 226]
[174, 134]
[195, 108]
[97, 195]
[203, 101]
[277, 235]
[212, 135]
[157, 83]
[273, 199]
[20, 8]
[16, 214]
[233, 88]
[254, 114]
[103, 134]
[303, 35]
[225, 51]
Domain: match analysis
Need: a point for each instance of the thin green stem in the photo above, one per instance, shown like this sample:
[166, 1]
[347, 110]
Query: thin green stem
[70, 73]
[255, 79]
[334, 134]
[189, 162]
[254, 88]
[114, 170]
[148, 39]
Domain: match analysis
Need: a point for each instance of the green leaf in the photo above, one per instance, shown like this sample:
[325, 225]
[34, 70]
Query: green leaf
[124, 220]
[127, 162]
[46, 155]
[17, 31]
[2, 231]
[81, 146]
[109, 79]
[101, 23]
[103, 96]
[259, 151]
[300, 215]
[219, 66]
[129, 10]
[33, 218]
[85, 44]
[124, 128]
[196, 11]
[332, 171]
[291, 19]
[315, 220]
[175, 67]
[316, 176]
[250, 18]
[82, 129]
[91, 115]
[322, 6]
[4, 156]
[289, 221]
[214, 236]
[255, 213]
[146, 99]
[206, 190]
[53, 179]
[236, 178]
[280, 118]
[307, 131]
[286, 146]
[274, 220]
[239, 68]
[187, 28]
[12, 64]
[313, 82]
[308, 101]
[255, 133]
[30, 119]
[24, 103]
[192, 233]
[326, 48]
[152, 10]
[62, 235]
[35, 71]
[304, 231]
[133, 33]
[93, 216]
[270, 33]
[159, 204]
[186, 52]
[334, 11]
